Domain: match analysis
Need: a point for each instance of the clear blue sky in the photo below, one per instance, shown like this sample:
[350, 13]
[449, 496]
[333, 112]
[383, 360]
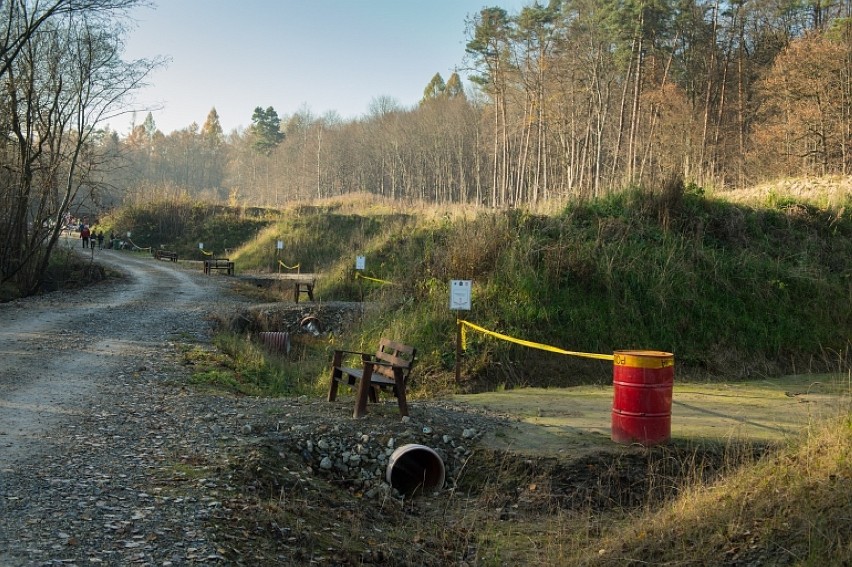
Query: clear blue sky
[323, 55]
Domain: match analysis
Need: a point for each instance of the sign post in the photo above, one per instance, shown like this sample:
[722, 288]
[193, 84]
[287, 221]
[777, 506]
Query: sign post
[360, 266]
[279, 246]
[459, 301]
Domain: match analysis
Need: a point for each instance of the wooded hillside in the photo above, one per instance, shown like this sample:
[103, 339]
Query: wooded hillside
[568, 100]
[574, 98]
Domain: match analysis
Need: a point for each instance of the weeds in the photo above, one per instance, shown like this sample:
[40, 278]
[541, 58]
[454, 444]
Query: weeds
[244, 367]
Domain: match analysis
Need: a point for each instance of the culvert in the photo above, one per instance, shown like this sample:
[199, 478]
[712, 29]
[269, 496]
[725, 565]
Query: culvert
[416, 469]
[276, 341]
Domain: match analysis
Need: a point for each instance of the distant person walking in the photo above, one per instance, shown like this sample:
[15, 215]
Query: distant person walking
[100, 240]
[85, 234]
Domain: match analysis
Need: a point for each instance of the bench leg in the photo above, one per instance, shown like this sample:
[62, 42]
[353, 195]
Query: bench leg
[363, 390]
[399, 390]
[335, 375]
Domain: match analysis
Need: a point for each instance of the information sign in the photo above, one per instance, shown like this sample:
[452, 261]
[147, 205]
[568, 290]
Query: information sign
[460, 295]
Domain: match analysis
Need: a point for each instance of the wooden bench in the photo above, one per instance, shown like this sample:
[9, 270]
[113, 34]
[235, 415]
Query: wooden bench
[389, 367]
[303, 286]
[219, 264]
[166, 255]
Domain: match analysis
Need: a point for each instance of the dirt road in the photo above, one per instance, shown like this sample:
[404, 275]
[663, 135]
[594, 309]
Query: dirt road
[59, 349]
[78, 376]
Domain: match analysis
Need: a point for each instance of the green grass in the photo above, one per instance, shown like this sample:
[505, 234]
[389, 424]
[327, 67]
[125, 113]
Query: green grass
[181, 224]
[732, 288]
[244, 367]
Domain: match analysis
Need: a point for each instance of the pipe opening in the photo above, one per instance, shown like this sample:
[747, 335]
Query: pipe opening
[416, 469]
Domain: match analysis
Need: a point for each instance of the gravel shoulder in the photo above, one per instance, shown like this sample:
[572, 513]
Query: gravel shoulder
[88, 411]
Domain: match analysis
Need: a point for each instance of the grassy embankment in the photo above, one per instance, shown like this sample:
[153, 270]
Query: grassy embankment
[757, 286]
[733, 290]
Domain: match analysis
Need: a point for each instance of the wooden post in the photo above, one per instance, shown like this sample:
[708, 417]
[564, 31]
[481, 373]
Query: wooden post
[458, 348]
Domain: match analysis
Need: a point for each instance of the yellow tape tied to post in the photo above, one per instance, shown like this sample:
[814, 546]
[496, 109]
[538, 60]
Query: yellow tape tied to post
[465, 325]
[205, 252]
[283, 265]
[138, 247]
[385, 282]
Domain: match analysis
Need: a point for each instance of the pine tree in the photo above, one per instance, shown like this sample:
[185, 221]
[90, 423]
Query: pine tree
[150, 126]
[454, 88]
[434, 89]
[266, 130]
[211, 132]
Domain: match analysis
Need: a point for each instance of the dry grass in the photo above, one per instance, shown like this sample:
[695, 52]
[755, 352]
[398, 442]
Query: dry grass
[793, 507]
[831, 191]
[363, 203]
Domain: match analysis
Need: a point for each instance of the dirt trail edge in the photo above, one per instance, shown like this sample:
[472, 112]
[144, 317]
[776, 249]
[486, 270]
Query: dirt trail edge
[76, 376]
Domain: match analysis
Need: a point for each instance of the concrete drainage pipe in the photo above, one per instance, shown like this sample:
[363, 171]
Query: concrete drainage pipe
[415, 469]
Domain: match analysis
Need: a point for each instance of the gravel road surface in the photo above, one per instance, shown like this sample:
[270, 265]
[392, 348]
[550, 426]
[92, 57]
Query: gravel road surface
[87, 416]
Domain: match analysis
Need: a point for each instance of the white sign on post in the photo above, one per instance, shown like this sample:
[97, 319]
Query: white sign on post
[201, 246]
[460, 295]
[280, 245]
[360, 263]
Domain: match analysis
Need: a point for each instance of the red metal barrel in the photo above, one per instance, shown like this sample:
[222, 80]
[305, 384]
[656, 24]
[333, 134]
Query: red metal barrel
[642, 396]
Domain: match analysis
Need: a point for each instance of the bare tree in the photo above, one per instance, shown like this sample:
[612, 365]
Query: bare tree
[57, 85]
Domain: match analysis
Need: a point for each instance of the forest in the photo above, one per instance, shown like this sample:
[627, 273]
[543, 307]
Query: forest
[568, 99]
[575, 98]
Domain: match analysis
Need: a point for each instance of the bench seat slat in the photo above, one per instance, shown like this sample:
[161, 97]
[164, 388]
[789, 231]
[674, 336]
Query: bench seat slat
[358, 374]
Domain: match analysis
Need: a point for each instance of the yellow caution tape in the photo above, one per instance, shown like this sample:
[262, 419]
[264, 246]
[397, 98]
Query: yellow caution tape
[296, 267]
[205, 253]
[465, 325]
[137, 247]
[358, 275]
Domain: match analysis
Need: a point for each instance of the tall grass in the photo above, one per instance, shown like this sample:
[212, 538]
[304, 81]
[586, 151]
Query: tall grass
[245, 367]
[731, 288]
[793, 507]
[180, 224]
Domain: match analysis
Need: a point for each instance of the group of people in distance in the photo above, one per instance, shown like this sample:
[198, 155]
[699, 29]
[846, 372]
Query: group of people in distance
[89, 239]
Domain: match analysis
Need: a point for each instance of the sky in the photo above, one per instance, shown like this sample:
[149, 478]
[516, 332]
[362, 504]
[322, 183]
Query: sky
[318, 55]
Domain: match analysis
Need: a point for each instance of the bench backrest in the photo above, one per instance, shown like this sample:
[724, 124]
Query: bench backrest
[397, 354]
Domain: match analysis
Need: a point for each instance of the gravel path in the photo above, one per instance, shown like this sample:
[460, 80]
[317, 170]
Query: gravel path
[107, 457]
[89, 411]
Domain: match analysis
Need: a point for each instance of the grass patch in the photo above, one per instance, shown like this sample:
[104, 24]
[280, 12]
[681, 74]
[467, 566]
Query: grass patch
[793, 507]
[180, 224]
[241, 366]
